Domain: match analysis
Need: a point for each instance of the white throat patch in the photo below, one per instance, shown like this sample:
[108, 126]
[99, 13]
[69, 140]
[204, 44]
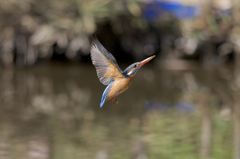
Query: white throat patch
[129, 73]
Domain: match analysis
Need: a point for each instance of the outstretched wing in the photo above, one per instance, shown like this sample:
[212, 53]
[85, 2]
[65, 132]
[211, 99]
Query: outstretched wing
[106, 65]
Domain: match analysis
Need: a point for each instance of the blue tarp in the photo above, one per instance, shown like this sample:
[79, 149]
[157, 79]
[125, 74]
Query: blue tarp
[155, 9]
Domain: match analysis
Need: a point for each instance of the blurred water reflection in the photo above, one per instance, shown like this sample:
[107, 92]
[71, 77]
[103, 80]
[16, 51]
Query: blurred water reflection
[52, 111]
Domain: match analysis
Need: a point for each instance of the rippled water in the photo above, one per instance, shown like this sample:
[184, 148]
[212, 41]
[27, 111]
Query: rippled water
[52, 111]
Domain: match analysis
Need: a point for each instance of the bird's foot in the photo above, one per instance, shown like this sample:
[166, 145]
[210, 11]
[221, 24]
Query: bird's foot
[114, 99]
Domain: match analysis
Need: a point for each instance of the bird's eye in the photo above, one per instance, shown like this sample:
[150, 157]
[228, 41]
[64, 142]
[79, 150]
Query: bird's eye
[135, 66]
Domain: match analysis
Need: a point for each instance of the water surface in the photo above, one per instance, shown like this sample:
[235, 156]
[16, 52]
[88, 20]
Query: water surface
[52, 111]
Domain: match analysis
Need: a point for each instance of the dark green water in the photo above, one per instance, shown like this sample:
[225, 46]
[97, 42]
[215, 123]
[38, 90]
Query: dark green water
[52, 111]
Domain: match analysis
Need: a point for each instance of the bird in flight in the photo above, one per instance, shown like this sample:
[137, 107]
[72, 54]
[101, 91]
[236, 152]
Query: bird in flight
[110, 74]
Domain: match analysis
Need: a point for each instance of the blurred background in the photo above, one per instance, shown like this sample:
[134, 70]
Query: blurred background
[182, 105]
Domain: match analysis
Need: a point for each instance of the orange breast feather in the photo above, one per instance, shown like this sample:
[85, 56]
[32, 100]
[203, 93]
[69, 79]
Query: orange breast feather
[119, 86]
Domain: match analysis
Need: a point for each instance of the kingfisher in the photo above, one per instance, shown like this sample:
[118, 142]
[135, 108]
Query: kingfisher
[110, 74]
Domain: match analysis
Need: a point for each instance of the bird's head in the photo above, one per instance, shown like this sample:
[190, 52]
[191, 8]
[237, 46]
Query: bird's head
[133, 68]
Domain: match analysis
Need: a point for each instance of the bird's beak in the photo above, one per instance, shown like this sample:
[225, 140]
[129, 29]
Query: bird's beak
[145, 61]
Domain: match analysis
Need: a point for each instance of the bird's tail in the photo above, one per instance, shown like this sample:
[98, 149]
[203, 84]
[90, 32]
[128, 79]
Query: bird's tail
[102, 102]
[105, 94]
